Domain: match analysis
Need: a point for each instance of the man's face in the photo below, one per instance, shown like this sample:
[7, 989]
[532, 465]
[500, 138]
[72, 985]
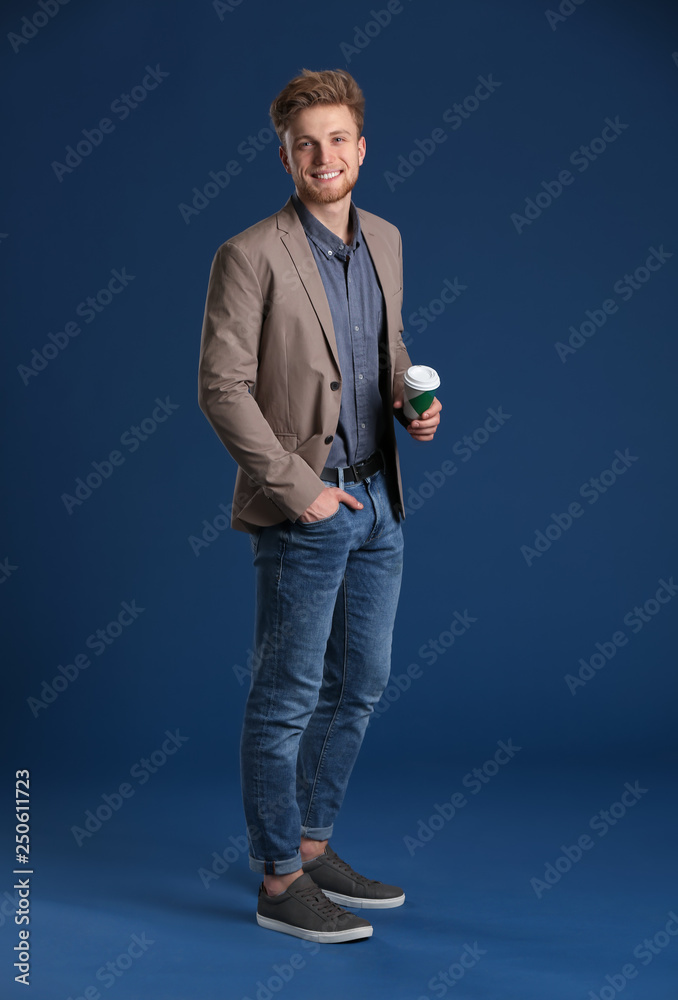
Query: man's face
[323, 153]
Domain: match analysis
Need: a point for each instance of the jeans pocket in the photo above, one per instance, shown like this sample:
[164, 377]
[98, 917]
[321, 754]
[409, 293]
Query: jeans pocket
[321, 520]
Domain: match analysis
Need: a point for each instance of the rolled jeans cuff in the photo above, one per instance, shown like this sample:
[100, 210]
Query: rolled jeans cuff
[317, 832]
[285, 867]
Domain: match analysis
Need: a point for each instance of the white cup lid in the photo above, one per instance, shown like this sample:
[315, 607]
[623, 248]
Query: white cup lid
[422, 377]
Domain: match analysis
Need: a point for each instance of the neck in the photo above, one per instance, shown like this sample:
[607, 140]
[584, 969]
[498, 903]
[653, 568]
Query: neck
[335, 215]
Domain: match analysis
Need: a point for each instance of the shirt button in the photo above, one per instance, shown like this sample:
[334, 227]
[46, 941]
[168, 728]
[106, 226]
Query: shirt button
[362, 425]
[356, 327]
[335, 385]
[329, 253]
[330, 438]
[359, 376]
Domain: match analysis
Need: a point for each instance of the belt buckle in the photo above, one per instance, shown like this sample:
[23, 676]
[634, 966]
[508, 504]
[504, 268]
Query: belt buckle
[354, 468]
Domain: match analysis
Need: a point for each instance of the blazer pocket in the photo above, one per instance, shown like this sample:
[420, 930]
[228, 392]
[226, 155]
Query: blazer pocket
[288, 441]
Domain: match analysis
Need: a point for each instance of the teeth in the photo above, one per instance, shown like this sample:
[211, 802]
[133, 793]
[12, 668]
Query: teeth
[325, 177]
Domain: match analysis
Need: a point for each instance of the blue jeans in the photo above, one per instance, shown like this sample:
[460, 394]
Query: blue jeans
[326, 598]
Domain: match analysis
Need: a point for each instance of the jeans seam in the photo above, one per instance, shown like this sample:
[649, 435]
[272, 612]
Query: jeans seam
[340, 699]
[274, 685]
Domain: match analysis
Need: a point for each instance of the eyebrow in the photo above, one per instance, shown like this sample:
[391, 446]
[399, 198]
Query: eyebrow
[337, 131]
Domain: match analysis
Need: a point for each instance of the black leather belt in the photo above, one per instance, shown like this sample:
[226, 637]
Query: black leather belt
[356, 473]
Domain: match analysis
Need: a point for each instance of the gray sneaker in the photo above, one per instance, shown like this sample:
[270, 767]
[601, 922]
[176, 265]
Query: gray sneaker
[343, 885]
[305, 912]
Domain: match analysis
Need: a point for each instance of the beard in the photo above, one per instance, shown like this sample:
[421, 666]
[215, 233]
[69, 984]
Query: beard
[326, 195]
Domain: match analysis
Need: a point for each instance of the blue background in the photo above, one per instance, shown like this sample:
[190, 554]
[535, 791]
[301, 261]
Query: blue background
[181, 664]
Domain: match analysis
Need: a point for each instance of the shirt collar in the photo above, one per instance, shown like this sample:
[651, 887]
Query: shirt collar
[327, 241]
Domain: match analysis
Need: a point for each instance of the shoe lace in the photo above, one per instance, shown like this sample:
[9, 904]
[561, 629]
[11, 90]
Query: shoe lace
[315, 897]
[346, 869]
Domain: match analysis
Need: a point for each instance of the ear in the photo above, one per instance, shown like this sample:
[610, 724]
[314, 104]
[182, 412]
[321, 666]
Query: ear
[361, 149]
[285, 159]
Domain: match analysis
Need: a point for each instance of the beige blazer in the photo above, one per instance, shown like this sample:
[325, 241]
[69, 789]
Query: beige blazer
[269, 377]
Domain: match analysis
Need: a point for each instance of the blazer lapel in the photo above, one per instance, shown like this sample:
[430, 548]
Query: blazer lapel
[294, 238]
[382, 258]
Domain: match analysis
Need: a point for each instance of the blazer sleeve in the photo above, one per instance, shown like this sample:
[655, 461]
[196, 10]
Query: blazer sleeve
[231, 332]
[402, 357]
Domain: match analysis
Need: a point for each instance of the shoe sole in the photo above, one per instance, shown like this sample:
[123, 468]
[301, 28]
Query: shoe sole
[357, 903]
[321, 937]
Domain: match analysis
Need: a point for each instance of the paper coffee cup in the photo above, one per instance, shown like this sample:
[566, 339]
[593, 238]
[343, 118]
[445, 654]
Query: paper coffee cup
[419, 390]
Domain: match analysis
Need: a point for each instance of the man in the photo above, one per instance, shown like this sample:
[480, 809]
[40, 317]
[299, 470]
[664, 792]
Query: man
[301, 373]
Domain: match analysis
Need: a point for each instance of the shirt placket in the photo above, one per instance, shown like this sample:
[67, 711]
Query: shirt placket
[356, 319]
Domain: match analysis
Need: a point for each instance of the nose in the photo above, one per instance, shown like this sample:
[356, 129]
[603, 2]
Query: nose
[323, 153]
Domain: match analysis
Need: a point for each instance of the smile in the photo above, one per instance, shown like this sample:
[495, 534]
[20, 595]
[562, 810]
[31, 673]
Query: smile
[327, 177]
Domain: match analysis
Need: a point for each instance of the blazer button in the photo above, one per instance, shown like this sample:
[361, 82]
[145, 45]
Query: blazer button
[334, 385]
[329, 439]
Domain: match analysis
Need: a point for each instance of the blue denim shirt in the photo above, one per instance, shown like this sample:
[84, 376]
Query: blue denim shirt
[358, 315]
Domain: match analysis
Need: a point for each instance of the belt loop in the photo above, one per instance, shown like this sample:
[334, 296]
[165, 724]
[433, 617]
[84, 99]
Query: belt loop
[340, 478]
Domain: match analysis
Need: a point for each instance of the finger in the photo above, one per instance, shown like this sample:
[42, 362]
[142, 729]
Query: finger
[426, 424]
[435, 408]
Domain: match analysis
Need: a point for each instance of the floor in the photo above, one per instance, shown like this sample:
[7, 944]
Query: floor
[547, 884]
